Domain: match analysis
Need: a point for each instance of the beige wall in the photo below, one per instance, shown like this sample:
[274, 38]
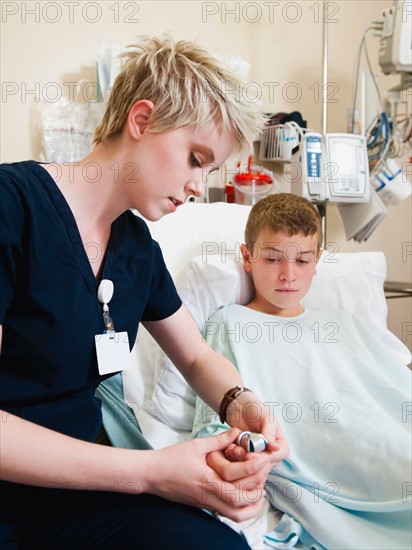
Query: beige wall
[45, 42]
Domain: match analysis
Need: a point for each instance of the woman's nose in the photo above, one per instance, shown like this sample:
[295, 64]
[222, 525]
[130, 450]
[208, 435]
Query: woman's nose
[196, 188]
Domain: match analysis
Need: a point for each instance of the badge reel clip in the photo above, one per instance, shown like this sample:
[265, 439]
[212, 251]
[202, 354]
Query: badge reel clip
[104, 295]
[112, 348]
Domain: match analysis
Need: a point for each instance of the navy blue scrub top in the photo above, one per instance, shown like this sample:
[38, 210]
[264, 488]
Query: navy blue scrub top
[48, 300]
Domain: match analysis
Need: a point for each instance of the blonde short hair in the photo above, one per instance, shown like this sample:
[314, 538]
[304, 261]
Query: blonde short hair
[188, 87]
[284, 213]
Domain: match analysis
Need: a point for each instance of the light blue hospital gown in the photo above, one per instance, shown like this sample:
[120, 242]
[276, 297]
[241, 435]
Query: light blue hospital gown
[344, 403]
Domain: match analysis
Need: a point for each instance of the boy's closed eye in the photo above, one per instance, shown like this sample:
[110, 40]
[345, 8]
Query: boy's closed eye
[306, 258]
[273, 259]
[301, 260]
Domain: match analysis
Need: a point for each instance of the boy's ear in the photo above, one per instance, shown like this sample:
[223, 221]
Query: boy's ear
[138, 117]
[246, 258]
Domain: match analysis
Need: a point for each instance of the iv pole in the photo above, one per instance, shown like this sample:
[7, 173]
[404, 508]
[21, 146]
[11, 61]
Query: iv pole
[325, 71]
[322, 207]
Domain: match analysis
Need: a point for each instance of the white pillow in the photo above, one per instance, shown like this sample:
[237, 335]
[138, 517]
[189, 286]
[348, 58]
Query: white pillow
[194, 229]
[351, 281]
[200, 228]
[204, 287]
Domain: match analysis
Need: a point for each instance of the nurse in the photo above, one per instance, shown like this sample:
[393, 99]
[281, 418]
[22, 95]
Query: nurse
[168, 123]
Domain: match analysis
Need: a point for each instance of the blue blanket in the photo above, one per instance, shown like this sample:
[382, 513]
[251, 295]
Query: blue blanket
[344, 403]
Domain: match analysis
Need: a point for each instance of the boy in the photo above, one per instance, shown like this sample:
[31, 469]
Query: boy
[167, 124]
[341, 395]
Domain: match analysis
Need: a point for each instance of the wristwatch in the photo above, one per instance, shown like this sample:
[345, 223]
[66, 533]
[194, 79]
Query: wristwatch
[230, 396]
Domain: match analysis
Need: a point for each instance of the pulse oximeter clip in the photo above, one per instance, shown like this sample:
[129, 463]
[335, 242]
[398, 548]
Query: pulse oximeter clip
[251, 442]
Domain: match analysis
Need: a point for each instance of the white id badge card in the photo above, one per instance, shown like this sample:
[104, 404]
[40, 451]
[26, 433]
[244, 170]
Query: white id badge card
[113, 353]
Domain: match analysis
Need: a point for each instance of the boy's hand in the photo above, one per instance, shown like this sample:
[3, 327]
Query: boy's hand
[274, 452]
[249, 414]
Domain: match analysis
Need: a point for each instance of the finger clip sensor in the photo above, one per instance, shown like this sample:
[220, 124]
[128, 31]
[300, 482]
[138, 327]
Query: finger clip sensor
[251, 442]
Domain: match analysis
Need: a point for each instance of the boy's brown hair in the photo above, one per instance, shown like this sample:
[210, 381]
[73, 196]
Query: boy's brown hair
[283, 213]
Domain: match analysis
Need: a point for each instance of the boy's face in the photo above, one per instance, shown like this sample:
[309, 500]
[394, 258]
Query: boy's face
[282, 270]
[174, 165]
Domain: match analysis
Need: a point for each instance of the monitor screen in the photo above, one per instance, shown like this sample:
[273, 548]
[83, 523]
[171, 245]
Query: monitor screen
[346, 158]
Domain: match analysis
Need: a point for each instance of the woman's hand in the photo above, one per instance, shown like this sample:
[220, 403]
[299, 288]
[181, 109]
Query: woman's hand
[197, 473]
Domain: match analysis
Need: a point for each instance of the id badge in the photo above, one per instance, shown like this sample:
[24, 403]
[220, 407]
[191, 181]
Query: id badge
[113, 353]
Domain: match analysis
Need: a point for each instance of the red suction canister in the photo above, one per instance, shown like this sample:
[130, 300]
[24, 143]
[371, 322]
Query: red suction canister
[251, 185]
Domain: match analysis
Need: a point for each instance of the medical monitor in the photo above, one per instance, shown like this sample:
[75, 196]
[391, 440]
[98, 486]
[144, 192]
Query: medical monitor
[395, 47]
[347, 169]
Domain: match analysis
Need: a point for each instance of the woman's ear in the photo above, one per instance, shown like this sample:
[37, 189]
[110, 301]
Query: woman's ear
[247, 260]
[138, 117]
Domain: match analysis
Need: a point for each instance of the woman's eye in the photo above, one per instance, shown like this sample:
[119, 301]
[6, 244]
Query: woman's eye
[213, 170]
[194, 161]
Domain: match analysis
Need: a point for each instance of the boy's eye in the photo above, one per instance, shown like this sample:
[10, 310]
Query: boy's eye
[302, 262]
[272, 260]
[194, 161]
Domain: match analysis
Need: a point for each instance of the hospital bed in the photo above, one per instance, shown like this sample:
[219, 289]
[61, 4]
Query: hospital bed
[201, 247]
